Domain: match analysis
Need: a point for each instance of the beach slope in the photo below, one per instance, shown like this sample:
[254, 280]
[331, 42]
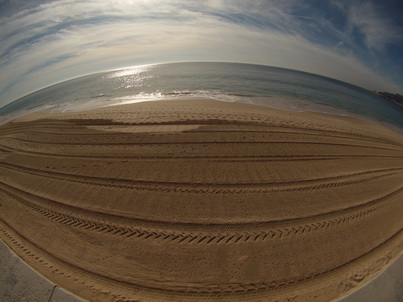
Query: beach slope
[201, 200]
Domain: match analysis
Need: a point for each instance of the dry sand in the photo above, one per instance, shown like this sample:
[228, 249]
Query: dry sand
[202, 200]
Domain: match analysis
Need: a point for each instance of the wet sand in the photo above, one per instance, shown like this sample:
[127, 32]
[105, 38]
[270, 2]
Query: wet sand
[201, 201]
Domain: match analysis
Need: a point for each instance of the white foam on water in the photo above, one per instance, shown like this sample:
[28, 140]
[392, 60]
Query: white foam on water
[278, 102]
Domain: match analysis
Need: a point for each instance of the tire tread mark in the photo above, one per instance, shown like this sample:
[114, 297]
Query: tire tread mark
[268, 128]
[53, 266]
[269, 233]
[290, 186]
[157, 143]
[223, 158]
[308, 132]
[266, 123]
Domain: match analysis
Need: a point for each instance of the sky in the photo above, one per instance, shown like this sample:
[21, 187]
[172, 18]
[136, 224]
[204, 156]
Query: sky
[44, 42]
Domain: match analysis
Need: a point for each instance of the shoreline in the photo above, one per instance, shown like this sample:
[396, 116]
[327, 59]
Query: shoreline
[281, 103]
[188, 200]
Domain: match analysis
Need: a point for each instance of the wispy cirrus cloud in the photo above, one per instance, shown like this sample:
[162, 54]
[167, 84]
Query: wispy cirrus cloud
[377, 29]
[57, 40]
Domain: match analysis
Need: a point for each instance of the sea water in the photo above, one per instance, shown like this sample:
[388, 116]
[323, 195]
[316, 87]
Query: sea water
[230, 82]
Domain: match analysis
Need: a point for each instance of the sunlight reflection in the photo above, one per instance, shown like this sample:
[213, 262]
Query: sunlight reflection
[130, 71]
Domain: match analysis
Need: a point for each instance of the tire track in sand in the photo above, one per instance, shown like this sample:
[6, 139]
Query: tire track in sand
[286, 142]
[134, 259]
[242, 232]
[122, 291]
[211, 188]
[199, 157]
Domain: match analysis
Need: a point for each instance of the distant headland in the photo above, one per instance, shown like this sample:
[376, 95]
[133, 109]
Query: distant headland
[397, 98]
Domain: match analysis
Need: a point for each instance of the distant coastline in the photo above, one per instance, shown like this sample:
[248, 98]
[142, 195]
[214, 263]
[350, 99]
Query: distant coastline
[397, 98]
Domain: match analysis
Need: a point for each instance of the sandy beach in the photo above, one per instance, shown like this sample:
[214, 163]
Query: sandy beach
[201, 200]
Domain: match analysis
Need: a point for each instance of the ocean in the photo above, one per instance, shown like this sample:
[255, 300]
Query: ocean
[230, 82]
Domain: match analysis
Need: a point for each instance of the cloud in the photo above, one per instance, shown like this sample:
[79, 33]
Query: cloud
[63, 39]
[376, 28]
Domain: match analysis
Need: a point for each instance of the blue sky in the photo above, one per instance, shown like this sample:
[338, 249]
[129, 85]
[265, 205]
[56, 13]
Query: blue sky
[45, 42]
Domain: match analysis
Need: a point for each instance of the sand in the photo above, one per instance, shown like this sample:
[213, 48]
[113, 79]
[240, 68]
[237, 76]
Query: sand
[201, 200]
